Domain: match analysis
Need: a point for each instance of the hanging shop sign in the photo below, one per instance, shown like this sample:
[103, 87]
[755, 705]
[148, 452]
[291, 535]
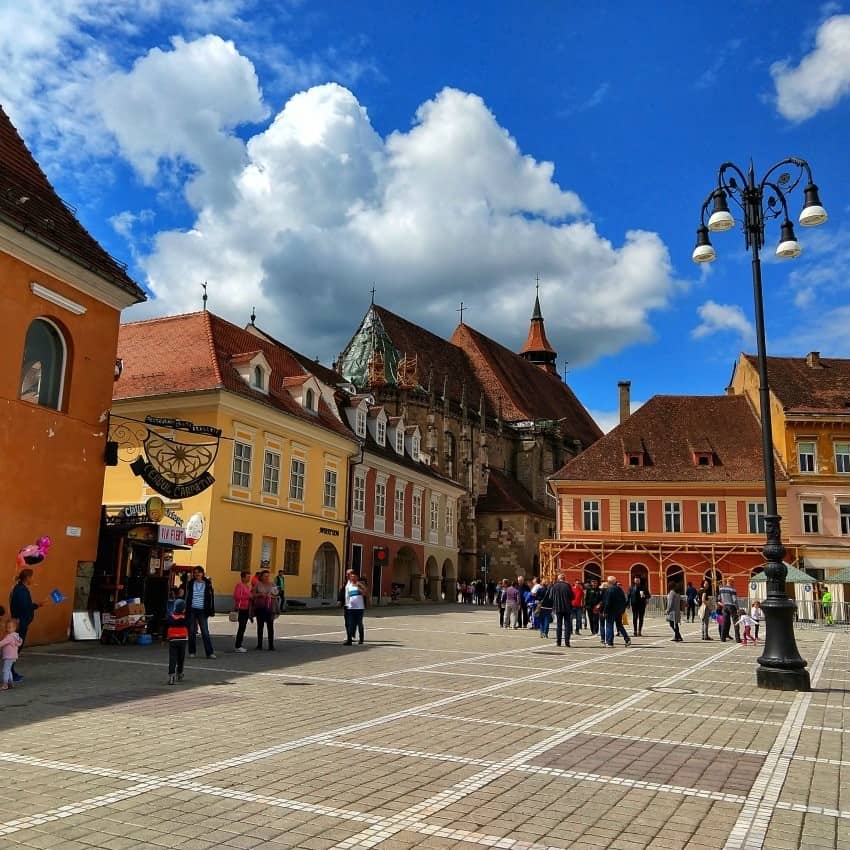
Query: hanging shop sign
[171, 534]
[195, 528]
[172, 456]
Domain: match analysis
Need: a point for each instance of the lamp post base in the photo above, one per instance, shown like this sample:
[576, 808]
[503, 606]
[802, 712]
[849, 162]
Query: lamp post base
[774, 679]
[781, 668]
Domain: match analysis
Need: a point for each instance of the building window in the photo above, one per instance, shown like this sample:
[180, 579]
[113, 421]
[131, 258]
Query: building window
[842, 457]
[359, 493]
[417, 510]
[450, 519]
[357, 557]
[296, 480]
[271, 473]
[329, 500]
[708, 517]
[258, 377]
[435, 515]
[291, 557]
[590, 515]
[360, 427]
[755, 517]
[310, 400]
[43, 365]
[806, 456]
[415, 449]
[844, 516]
[381, 432]
[399, 442]
[637, 516]
[811, 518]
[398, 506]
[380, 499]
[241, 465]
[672, 517]
[240, 554]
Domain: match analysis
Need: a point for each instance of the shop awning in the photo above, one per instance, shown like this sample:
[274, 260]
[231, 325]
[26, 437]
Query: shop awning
[839, 578]
[795, 576]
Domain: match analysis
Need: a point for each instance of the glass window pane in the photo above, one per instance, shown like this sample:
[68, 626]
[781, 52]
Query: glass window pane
[43, 365]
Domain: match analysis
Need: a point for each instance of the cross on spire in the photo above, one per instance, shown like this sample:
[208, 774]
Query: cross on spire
[253, 315]
[538, 285]
[461, 310]
[372, 293]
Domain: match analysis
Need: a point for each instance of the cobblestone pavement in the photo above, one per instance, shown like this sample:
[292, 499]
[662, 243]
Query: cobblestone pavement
[442, 731]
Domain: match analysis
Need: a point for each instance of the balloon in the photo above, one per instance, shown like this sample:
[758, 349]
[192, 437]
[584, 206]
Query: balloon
[35, 553]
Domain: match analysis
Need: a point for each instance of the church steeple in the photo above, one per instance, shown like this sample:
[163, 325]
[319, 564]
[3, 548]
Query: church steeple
[537, 348]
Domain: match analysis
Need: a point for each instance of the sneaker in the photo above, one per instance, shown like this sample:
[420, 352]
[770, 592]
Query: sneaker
[360, 642]
[628, 644]
[241, 649]
[212, 655]
[17, 677]
[179, 677]
[171, 680]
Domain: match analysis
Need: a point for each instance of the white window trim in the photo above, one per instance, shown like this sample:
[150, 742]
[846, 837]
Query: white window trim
[399, 442]
[60, 397]
[57, 299]
[416, 528]
[758, 515]
[639, 513]
[585, 510]
[835, 444]
[813, 442]
[819, 514]
[233, 459]
[709, 514]
[335, 475]
[381, 432]
[268, 451]
[677, 513]
[303, 463]
[360, 422]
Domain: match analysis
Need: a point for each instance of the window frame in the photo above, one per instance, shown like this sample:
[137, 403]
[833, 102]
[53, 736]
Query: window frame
[755, 517]
[415, 447]
[708, 517]
[381, 432]
[267, 479]
[450, 519]
[358, 502]
[398, 519]
[813, 455]
[673, 511]
[297, 480]
[241, 460]
[399, 442]
[637, 517]
[434, 516]
[246, 538]
[329, 490]
[807, 515]
[588, 511]
[845, 456]
[62, 367]
[844, 519]
[380, 499]
[288, 550]
[416, 510]
[360, 422]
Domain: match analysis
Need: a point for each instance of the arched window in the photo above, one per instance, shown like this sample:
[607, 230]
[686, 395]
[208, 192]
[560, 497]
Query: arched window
[43, 365]
[310, 400]
[258, 377]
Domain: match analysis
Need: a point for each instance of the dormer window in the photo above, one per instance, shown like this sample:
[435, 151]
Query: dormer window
[259, 378]
[381, 432]
[310, 399]
[399, 442]
[415, 449]
[253, 369]
[704, 458]
[360, 427]
[634, 459]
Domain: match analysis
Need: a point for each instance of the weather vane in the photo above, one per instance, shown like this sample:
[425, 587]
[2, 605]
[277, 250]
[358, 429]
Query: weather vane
[204, 287]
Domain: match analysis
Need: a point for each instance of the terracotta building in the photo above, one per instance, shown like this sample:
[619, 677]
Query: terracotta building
[674, 493]
[61, 301]
[485, 414]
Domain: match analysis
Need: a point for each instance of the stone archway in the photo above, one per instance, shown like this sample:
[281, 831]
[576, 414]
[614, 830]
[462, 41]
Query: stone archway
[449, 579]
[326, 577]
[641, 572]
[592, 571]
[433, 585]
[406, 581]
[675, 576]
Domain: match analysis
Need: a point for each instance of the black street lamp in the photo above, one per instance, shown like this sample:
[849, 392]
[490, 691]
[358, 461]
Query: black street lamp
[780, 666]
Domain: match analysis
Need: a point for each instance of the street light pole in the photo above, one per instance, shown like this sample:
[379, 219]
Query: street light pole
[781, 666]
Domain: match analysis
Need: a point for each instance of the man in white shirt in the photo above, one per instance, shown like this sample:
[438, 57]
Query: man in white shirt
[354, 602]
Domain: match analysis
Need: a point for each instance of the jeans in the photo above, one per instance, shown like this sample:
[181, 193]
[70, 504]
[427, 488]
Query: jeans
[545, 621]
[176, 656]
[22, 634]
[501, 616]
[578, 616]
[638, 613]
[675, 626]
[593, 619]
[563, 626]
[7, 670]
[511, 619]
[729, 614]
[757, 629]
[706, 619]
[353, 623]
[194, 615]
[612, 622]
[242, 620]
[264, 618]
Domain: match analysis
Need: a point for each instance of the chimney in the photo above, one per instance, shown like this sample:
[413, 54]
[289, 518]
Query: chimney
[813, 360]
[625, 400]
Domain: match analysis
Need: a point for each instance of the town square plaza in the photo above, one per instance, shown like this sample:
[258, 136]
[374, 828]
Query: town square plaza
[441, 731]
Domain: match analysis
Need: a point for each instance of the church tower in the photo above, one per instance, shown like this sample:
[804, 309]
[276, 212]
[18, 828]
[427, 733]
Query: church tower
[537, 349]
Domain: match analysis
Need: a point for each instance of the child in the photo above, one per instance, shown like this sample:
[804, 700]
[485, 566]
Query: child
[758, 615]
[718, 618]
[10, 643]
[745, 620]
[177, 635]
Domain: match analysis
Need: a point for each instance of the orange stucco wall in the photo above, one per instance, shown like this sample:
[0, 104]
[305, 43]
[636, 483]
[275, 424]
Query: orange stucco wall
[51, 462]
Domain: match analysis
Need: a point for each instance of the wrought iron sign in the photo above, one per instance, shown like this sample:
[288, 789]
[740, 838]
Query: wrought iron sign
[172, 456]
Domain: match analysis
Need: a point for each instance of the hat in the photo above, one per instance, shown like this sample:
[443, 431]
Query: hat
[179, 606]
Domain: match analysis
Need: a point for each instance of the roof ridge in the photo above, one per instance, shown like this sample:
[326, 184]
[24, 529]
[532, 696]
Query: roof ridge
[211, 341]
[167, 318]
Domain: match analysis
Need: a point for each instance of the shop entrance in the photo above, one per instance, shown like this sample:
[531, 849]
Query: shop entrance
[326, 578]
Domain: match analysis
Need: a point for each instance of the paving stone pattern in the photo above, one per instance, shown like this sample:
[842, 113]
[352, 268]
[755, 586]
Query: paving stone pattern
[441, 732]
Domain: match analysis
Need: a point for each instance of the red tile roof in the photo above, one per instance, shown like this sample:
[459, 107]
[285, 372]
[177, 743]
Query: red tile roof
[800, 387]
[536, 339]
[669, 427]
[323, 373]
[194, 352]
[30, 204]
[506, 495]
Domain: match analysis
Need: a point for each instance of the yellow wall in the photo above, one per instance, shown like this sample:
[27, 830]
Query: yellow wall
[746, 382]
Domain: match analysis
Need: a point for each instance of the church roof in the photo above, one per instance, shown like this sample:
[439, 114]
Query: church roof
[30, 204]
[506, 495]
[536, 340]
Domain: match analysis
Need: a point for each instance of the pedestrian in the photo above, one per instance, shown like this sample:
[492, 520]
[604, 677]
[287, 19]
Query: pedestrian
[266, 600]
[354, 603]
[280, 581]
[729, 601]
[544, 617]
[511, 598]
[592, 597]
[491, 592]
[826, 601]
[177, 635]
[705, 609]
[22, 609]
[746, 622]
[674, 611]
[758, 615]
[613, 606]
[559, 597]
[522, 611]
[200, 606]
[637, 599]
[690, 603]
[9, 646]
[242, 594]
[500, 601]
[578, 605]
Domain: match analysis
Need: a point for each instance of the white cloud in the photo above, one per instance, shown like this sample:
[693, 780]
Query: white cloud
[608, 420]
[450, 209]
[823, 76]
[722, 317]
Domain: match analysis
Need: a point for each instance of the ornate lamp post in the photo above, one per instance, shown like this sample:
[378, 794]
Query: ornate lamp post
[780, 666]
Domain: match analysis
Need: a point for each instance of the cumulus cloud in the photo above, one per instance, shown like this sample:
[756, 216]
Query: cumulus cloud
[823, 76]
[449, 209]
[722, 317]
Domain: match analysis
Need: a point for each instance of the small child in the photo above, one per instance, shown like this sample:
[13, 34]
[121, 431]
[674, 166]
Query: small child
[9, 646]
[177, 635]
[718, 618]
[758, 615]
[745, 620]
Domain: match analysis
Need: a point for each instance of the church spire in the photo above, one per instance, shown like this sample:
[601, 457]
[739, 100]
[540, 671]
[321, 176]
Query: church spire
[537, 349]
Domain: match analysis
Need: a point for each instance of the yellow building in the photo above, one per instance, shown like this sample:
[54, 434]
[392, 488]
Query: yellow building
[282, 465]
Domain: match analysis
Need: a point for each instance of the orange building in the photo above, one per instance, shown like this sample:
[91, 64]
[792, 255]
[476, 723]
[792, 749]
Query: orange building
[61, 301]
[674, 493]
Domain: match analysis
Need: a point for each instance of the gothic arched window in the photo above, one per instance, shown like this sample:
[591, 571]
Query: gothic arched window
[43, 366]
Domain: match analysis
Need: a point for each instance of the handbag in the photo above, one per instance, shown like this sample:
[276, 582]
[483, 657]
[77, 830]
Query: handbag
[625, 619]
[233, 616]
[701, 611]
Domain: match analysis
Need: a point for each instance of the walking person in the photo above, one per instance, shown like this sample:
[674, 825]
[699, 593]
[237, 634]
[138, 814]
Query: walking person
[746, 622]
[826, 601]
[592, 597]
[613, 606]
[9, 646]
[522, 611]
[511, 600]
[578, 605]
[758, 616]
[265, 600]
[22, 609]
[559, 597]
[200, 606]
[690, 603]
[280, 581]
[674, 611]
[500, 600]
[637, 599]
[706, 606]
[177, 635]
[729, 600]
[354, 601]
[545, 611]
[242, 605]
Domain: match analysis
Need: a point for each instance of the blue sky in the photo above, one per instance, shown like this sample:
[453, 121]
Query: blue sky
[450, 151]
